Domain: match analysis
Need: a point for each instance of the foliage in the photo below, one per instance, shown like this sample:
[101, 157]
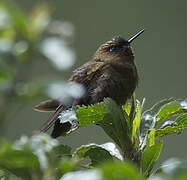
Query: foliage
[41, 157]
[136, 134]
[27, 41]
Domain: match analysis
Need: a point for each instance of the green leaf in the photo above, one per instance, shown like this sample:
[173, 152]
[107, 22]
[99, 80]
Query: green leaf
[98, 153]
[168, 110]
[181, 121]
[63, 150]
[92, 114]
[166, 131]
[127, 108]
[22, 163]
[58, 153]
[66, 165]
[137, 120]
[159, 113]
[149, 157]
[171, 127]
[148, 120]
[35, 158]
[110, 117]
[120, 171]
[151, 137]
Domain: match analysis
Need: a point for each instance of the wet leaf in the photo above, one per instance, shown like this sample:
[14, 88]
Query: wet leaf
[175, 126]
[98, 153]
[110, 117]
[91, 114]
[150, 156]
[181, 120]
[149, 120]
[168, 110]
[166, 131]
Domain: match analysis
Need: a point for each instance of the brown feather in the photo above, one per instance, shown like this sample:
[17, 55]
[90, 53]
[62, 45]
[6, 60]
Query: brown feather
[47, 106]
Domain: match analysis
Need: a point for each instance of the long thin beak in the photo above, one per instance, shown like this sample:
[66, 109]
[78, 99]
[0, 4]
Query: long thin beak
[135, 36]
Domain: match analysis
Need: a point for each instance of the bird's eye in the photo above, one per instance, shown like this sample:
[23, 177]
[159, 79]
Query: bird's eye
[116, 48]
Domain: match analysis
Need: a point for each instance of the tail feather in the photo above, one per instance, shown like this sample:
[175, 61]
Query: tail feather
[52, 119]
[47, 106]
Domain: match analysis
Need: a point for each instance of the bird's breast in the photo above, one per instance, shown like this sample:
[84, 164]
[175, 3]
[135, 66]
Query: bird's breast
[112, 82]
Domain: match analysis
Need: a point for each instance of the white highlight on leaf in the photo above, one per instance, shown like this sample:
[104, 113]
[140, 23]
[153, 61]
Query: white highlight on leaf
[148, 121]
[184, 104]
[56, 50]
[148, 118]
[83, 175]
[168, 123]
[112, 149]
[109, 146]
[69, 116]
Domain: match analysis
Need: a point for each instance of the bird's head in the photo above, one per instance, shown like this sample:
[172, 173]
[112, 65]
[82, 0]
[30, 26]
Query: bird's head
[117, 49]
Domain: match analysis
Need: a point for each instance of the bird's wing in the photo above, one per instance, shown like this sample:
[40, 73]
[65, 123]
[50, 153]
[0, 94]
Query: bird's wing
[82, 75]
[86, 72]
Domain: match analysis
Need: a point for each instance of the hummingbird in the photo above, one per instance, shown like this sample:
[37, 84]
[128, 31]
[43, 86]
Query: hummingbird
[111, 73]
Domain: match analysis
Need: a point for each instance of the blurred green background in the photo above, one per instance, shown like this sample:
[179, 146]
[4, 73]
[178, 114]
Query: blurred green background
[41, 42]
